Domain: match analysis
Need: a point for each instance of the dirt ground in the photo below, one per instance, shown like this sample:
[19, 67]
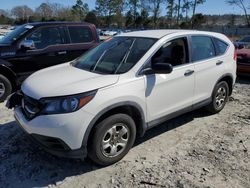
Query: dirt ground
[194, 150]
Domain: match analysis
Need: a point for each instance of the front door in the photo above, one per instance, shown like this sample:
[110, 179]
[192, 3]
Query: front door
[49, 50]
[169, 93]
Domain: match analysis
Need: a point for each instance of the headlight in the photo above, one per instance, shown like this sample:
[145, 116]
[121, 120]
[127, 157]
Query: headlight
[67, 104]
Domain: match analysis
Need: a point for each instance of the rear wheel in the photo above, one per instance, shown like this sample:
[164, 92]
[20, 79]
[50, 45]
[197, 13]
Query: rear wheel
[112, 139]
[219, 97]
[5, 88]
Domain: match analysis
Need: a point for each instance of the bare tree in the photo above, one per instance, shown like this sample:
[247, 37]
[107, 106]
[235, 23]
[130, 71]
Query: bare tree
[3, 12]
[64, 13]
[45, 10]
[22, 12]
[242, 5]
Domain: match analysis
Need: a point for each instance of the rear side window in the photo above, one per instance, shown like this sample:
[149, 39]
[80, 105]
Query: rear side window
[202, 48]
[80, 34]
[221, 46]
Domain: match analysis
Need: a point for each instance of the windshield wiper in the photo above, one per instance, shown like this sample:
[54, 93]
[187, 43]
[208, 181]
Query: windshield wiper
[99, 60]
[124, 59]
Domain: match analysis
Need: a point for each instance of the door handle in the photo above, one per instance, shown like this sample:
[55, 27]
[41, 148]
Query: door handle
[219, 62]
[188, 72]
[62, 52]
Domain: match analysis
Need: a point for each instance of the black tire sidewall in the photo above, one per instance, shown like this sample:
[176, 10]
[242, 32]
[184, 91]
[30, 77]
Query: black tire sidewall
[95, 152]
[8, 87]
[220, 84]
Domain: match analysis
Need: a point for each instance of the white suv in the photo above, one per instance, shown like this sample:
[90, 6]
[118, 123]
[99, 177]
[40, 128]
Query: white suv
[96, 105]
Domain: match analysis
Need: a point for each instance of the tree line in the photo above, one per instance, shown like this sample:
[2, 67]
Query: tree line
[121, 13]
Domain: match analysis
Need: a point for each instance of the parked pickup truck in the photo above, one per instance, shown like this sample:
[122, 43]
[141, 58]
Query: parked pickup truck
[35, 46]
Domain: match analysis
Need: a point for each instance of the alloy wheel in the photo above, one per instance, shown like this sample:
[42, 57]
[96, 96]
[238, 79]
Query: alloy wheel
[220, 97]
[115, 140]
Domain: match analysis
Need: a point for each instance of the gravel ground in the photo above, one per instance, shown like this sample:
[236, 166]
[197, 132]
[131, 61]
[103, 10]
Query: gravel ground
[193, 150]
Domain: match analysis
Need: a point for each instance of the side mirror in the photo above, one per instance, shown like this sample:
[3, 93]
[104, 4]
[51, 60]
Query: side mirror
[27, 45]
[162, 68]
[159, 68]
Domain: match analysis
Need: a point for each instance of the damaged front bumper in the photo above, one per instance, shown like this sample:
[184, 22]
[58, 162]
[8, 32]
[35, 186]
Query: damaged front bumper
[14, 100]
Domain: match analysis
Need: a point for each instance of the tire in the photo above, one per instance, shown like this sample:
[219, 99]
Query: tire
[219, 97]
[5, 88]
[111, 140]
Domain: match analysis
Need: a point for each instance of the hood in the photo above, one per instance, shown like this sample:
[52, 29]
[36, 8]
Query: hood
[64, 80]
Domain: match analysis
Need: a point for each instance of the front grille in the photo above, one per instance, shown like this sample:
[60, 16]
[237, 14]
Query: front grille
[30, 107]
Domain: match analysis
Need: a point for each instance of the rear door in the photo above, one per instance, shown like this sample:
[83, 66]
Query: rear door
[81, 39]
[209, 65]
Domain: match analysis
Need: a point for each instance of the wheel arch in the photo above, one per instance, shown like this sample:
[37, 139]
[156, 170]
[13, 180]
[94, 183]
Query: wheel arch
[127, 107]
[229, 79]
[8, 73]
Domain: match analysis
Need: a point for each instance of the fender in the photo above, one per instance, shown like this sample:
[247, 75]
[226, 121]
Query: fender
[223, 76]
[5, 63]
[142, 127]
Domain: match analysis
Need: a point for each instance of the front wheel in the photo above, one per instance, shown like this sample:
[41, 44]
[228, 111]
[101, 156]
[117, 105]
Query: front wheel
[112, 139]
[219, 97]
[5, 88]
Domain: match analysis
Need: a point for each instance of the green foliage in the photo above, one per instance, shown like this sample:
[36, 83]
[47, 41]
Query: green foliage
[156, 4]
[198, 19]
[126, 13]
[129, 19]
[79, 10]
[91, 18]
[109, 8]
[5, 20]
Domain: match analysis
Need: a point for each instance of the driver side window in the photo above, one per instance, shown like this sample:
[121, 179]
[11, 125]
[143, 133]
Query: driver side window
[174, 52]
[46, 36]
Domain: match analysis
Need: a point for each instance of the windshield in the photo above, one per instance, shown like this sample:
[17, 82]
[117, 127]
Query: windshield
[115, 56]
[15, 34]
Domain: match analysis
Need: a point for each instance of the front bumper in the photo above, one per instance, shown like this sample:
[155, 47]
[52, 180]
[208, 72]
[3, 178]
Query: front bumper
[59, 134]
